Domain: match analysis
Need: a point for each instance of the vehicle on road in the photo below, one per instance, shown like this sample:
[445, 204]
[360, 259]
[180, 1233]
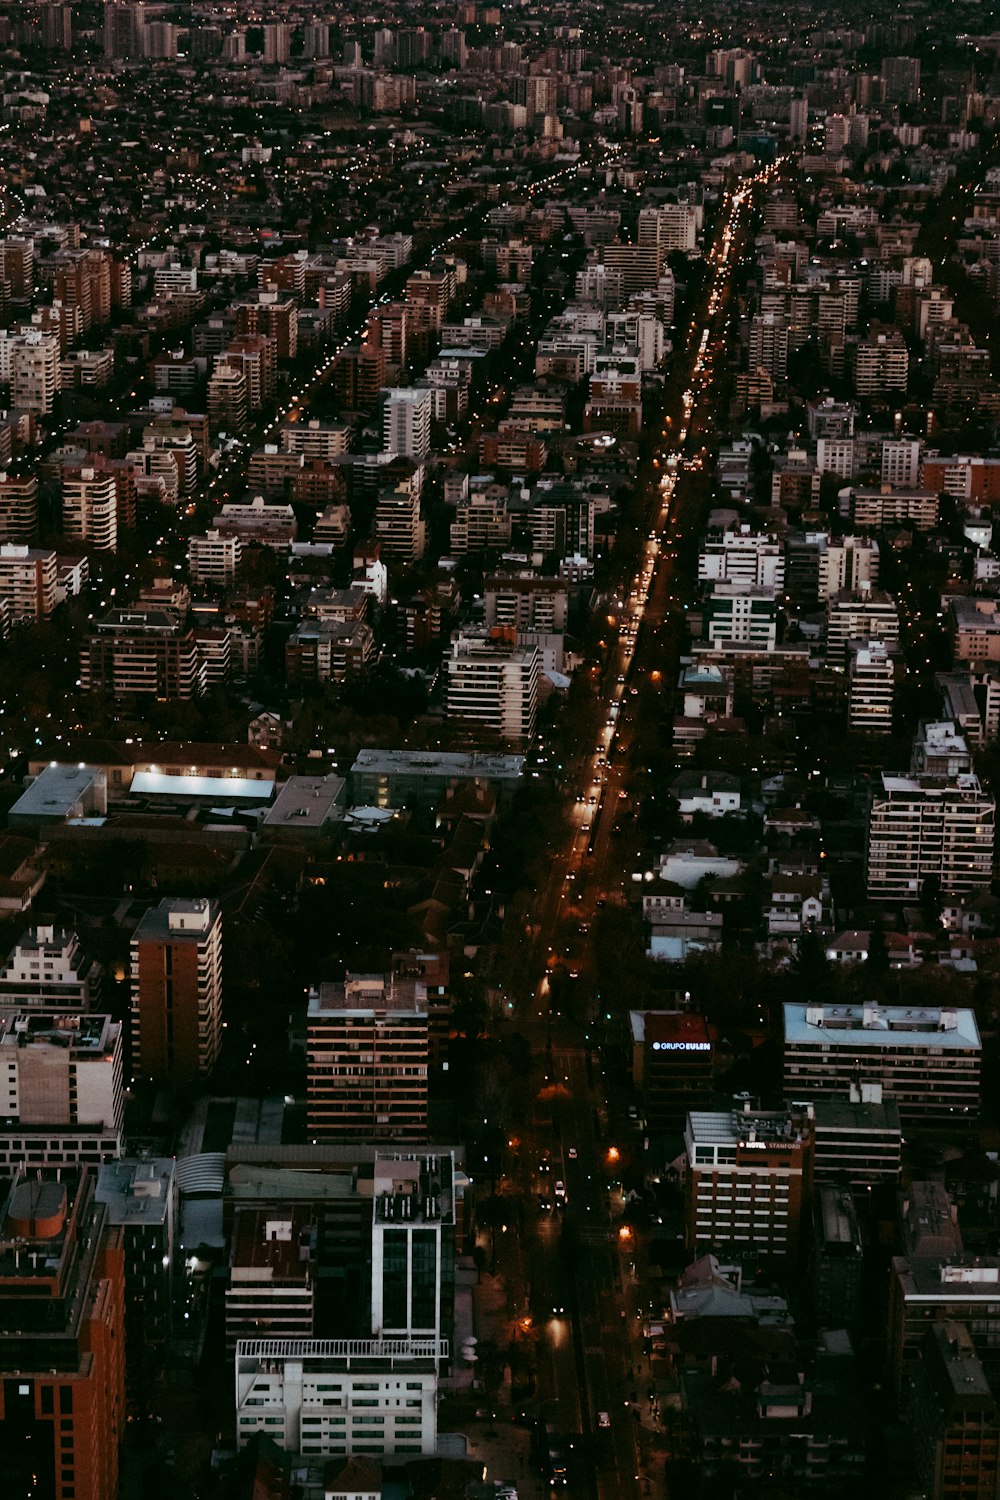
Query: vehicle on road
[560, 1191]
[545, 1203]
[571, 1153]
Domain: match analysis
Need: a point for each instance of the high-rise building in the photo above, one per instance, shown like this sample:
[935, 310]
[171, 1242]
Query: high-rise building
[228, 405]
[753, 559]
[848, 564]
[339, 1397]
[366, 1059]
[177, 990]
[881, 363]
[493, 681]
[272, 1273]
[399, 529]
[673, 1065]
[62, 1356]
[935, 828]
[140, 651]
[214, 559]
[854, 615]
[18, 506]
[872, 669]
[90, 505]
[769, 345]
[901, 79]
[837, 1258]
[46, 969]
[954, 1418]
[927, 1290]
[393, 1233]
[413, 1246]
[61, 1069]
[27, 581]
[140, 1201]
[749, 1178]
[858, 1139]
[123, 27]
[798, 119]
[34, 371]
[406, 421]
[925, 1060]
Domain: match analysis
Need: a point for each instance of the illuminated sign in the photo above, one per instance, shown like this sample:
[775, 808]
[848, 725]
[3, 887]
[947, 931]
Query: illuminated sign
[682, 1046]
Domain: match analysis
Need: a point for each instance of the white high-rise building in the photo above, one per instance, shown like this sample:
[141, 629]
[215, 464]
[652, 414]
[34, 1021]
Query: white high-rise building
[872, 669]
[27, 581]
[757, 561]
[930, 827]
[339, 1396]
[494, 682]
[46, 969]
[61, 1074]
[901, 462]
[848, 563]
[90, 507]
[406, 421]
[214, 558]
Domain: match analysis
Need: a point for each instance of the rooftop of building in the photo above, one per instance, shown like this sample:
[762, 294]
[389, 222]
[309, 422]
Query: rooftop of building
[136, 1192]
[274, 1242]
[857, 1117]
[930, 1223]
[177, 918]
[744, 1126]
[56, 790]
[966, 783]
[949, 1278]
[305, 802]
[954, 1370]
[35, 1212]
[670, 1030]
[44, 940]
[81, 1035]
[837, 1223]
[195, 755]
[437, 763]
[368, 994]
[889, 1026]
[416, 1188]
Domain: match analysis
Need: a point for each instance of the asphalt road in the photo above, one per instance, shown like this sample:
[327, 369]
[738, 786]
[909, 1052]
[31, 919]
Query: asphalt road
[570, 1256]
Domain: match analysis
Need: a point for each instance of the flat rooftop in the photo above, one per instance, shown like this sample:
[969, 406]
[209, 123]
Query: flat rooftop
[731, 1127]
[55, 791]
[365, 994]
[136, 1192]
[857, 1118]
[853, 1027]
[436, 763]
[82, 1035]
[670, 1030]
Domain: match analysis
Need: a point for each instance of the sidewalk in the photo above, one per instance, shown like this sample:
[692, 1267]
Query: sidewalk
[482, 1310]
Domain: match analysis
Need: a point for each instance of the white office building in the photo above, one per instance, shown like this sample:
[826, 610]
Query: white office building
[339, 1397]
[926, 1060]
[61, 1069]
